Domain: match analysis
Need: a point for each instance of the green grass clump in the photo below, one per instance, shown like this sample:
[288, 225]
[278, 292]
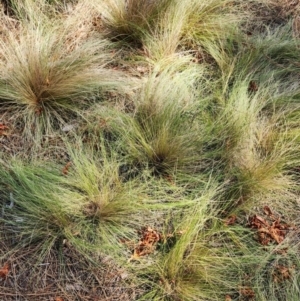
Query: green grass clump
[206, 261]
[161, 28]
[266, 57]
[130, 21]
[44, 73]
[250, 142]
[89, 206]
[110, 208]
[158, 134]
[31, 212]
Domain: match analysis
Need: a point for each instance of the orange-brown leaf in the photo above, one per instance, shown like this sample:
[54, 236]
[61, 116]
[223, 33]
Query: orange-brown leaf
[247, 291]
[65, 170]
[3, 127]
[146, 245]
[270, 230]
[277, 234]
[227, 298]
[257, 222]
[59, 299]
[4, 270]
[268, 211]
[230, 220]
[285, 272]
[261, 220]
[282, 273]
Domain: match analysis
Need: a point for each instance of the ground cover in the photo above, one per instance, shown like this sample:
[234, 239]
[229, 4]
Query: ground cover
[149, 150]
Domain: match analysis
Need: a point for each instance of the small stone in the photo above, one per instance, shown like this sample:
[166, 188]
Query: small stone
[68, 128]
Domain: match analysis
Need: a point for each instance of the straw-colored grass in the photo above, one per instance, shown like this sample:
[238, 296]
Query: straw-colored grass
[149, 150]
[44, 73]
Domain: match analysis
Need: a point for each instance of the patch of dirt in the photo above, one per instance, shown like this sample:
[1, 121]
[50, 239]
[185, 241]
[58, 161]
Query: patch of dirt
[63, 275]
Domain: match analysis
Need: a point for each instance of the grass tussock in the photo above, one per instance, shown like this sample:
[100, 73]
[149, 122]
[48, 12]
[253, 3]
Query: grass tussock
[205, 262]
[45, 72]
[156, 133]
[87, 205]
[248, 140]
[131, 20]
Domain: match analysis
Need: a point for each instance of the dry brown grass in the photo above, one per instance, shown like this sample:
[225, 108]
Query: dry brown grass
[63, 274]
